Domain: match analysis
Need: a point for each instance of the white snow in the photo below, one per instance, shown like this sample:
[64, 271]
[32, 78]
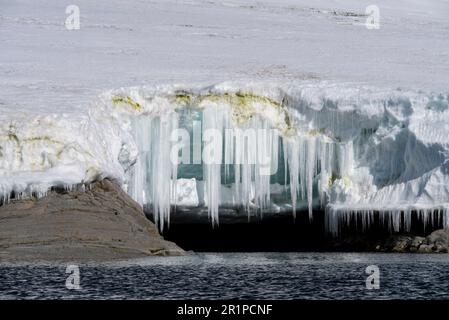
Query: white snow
[186, 193]
[363, 122]
[359, 149]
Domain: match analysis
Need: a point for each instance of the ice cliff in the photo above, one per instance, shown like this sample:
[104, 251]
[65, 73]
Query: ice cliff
[353, 151]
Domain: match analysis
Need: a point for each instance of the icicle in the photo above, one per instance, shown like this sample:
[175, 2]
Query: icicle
[267, 147]
[310, 169]
[253, 149]
[303, 156]
[162, 170]
[229, 145]
[408, 219]
[153, 179]
[293, 156]
[446, 217]
[325, 171]
[394, 220]
[138, 186]
[213, 125]
[302, 165]
[284, 153]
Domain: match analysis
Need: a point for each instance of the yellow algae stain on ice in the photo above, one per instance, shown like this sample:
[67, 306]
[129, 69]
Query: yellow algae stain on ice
[126, 100]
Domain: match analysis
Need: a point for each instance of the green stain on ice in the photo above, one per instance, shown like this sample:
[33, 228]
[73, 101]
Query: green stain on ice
[243, 104]
[245, 98]
[317, 132]
[126, 100]
[240, 99]
[182, 98]
[13, 137]
[332, 179]
[43, 139]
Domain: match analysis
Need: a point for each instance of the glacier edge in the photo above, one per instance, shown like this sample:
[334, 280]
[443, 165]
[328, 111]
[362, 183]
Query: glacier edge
[349, 149]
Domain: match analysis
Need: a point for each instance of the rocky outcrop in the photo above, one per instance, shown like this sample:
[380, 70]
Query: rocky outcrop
[99, 224]
[436, 242]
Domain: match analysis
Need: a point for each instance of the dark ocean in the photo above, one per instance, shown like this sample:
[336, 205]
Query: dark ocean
[239, 276]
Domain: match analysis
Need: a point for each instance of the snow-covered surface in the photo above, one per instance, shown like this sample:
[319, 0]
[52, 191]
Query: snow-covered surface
[44, 67]
[371, 105]
[362, 148]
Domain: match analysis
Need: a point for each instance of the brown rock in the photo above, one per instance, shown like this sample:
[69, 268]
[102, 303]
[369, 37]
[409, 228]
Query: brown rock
[439, 237]
[402, 245]
[417, 241]
[101, 224]
[425, 248]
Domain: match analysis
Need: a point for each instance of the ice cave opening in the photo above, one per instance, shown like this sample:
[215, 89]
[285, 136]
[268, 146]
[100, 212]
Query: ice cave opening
[322, 157]
[240, 157]
[199, 159]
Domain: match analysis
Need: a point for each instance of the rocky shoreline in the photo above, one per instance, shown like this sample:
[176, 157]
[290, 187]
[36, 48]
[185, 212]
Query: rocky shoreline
[435, 242]
[96, 225]
[103, 224]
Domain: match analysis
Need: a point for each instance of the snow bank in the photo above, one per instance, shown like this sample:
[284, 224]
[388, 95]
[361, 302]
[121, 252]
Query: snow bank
[348, 149]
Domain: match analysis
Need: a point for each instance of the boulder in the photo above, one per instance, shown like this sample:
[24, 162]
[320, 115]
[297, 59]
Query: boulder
[425, 248]
[99, 224]
[439, 238]
[437, 241]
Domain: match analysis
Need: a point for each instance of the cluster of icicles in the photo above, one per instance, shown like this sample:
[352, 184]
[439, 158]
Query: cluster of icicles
[311, 158]
[394, 220]
[7, 195]
[38, 191]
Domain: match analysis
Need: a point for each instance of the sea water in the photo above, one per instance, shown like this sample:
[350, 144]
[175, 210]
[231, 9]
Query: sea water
[239, 276]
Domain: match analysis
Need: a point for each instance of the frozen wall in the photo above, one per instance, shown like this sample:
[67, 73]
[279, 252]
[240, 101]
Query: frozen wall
[355, 152]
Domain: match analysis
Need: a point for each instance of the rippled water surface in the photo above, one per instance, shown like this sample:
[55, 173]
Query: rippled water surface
[238, 275]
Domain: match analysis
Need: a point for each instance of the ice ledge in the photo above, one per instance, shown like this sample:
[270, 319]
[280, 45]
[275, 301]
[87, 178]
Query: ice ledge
[389, 146]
